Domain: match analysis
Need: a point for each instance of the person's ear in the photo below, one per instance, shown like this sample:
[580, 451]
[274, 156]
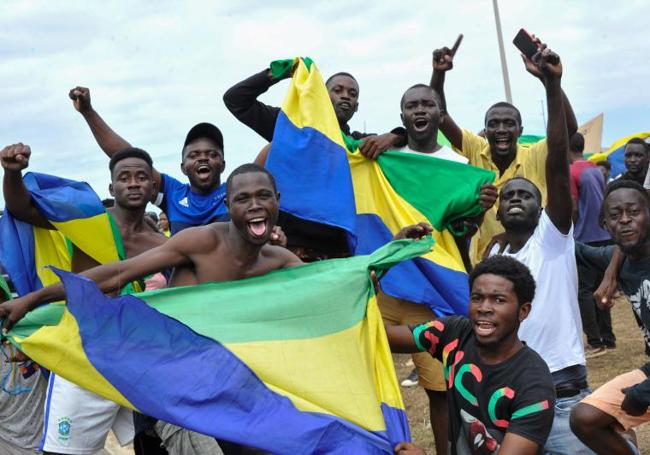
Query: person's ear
[401, 116]
[110, 190]
[524, 311]
[277, 196]
[356, 107]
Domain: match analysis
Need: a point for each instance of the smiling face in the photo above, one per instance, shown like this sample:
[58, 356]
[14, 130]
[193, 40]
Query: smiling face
[253, 206]
[420, 113]
[494, 310]
[132, 183]
[627, 218]
[344, 94]
[203, 164]
[636, 159]
[502, 130]
[519, 205]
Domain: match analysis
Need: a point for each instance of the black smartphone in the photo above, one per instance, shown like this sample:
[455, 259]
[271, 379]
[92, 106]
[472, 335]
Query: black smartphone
[524, 42]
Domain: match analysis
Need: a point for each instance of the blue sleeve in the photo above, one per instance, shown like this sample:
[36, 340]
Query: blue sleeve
[167, 186]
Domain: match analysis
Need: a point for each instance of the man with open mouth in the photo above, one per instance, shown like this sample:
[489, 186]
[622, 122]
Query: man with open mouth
[221, 251]
[542, 238]
[311, 241]
[498, 150]
[420, 114]
[500, 391]
[199, 202]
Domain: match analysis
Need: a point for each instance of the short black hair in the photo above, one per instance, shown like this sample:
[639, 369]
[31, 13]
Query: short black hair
[638, 141]
[340, 73]
[245, 169]
[503, 104]
[577, 143]
[606, 164]
[538, 193]
[130, 152]
[512, 270]
[619, 184]
[435, 94]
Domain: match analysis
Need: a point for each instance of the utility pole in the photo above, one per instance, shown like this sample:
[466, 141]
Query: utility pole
[502, 53]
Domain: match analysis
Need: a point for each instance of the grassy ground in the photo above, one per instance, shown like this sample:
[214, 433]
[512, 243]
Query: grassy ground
[628, 355]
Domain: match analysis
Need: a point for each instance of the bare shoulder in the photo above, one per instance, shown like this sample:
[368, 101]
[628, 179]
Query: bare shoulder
[199, 237]
[281, 255]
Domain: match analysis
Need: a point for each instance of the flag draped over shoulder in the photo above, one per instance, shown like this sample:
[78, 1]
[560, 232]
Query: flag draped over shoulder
[79, 218]
[615, 153]
[323, 178]
[295, 361]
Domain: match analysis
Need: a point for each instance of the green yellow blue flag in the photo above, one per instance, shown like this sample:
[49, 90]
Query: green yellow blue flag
[79, 218]
[296, 361]
[323, 178]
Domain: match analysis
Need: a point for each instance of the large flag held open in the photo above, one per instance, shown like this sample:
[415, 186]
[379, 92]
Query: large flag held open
[79, 218]
[296, 361]
[323, 178]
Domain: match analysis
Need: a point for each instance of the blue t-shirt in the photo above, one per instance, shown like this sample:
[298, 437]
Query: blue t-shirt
[185, 208]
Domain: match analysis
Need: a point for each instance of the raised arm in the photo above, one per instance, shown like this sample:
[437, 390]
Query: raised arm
[15, 158]
[559, 207]
[111, 277]
[107, 139]
[443, 61]
[531, 67]
[241, 100]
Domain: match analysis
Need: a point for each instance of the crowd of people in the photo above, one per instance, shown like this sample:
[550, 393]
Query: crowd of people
[509, 377]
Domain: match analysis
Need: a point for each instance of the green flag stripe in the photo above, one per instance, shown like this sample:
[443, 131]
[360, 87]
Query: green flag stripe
[230, 311]
[411, 178]
[274, 299]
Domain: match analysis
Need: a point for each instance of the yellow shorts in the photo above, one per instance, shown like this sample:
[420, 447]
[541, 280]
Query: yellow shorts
[398, 312]
[608, 398]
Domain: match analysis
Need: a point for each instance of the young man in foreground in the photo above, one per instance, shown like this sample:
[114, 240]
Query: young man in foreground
[499, 391]
[542, 239]
[621, 404]
[228, 251]
[78, 421]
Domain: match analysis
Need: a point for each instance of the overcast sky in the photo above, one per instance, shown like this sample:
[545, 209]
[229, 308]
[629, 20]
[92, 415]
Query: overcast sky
[157, 68]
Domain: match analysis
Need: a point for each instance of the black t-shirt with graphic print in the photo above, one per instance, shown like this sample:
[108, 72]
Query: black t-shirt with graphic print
[487, 401]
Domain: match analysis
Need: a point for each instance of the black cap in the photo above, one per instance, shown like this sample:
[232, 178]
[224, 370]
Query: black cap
[207, 130]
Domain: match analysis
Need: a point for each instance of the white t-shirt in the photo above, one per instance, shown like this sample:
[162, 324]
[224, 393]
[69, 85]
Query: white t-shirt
[553, 328]
[445, 153]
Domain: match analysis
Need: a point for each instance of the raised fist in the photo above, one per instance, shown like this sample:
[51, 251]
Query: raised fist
[80, 97]
[15, 157]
